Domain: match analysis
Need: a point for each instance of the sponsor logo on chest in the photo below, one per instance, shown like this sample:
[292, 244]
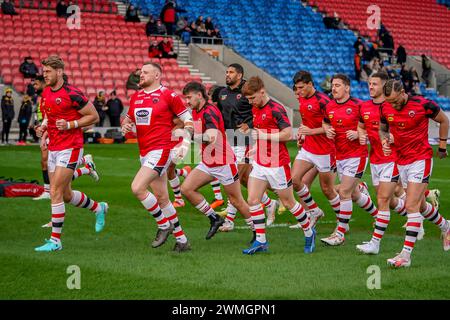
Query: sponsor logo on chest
[143, 116]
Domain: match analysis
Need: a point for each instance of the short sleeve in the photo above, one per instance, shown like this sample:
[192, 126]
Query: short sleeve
[130, 113]
[280, 117]
[211, 119]
[431, 109]
[177, 105]
[79, 100]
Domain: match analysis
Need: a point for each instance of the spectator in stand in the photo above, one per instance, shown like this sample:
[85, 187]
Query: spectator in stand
[132, 14]
[28, 68]
[401, 55]
[150, 27]
[426, 70]
[406, 76]
[201, 30]
[61, 9]
[357, 43]
[7, 114]
[209, 24]
[166, 48]
[213, 94]
[8, 8]
[31, 92]
[160, 28]
[168, 16]
[100, 106]
[199, 21]
[133, 80]
[154, 50]
[415, 82]
[115, 108]
[24, 118]
[182, 26]
[217, 36]
[358, 62]
[325, 85]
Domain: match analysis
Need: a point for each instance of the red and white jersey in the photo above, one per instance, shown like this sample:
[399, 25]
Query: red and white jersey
[370, 116]
[409, 126]
[63, 103]
[312, 110]
[343, 117]
[153, 114]
[271, 118]
[218, 153]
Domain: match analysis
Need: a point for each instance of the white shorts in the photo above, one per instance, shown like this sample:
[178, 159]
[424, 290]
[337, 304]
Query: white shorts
[241, 153]
[384, 172]
[158, 160]
[278, 177]
[226, 174]
[323, 162]
[68, 158]
[416, 172]
[352, 167]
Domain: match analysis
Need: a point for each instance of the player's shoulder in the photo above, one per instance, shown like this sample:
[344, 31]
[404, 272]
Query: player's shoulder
[167, 93]
[322, 97]
[275, 106]
[421, 100]
[355, 101]
[70, 89]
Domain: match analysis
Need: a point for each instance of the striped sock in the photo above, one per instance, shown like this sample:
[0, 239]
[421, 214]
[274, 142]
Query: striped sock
[427, 192]
[300, 214]
[259, 221]
[47, 188]
[400, 208]
[207, 210]
[151, 204]
[306, 197]
[345, 214]
[403, 196]
[176, 188]
[265, 200]
[215, 184]
[433, 215]
[231, 212]
[181, 173]
[381, 224]
[58, 212]
[171, 214]
[365, 202]
[79, 172]
[335, 204]
[81, 200]
[412, 229]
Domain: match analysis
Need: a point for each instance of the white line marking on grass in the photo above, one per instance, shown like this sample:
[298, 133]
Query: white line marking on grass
[284, 225]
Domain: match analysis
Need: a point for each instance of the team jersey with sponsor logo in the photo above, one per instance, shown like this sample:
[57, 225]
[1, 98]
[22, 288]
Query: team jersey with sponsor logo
[312, 110]
[370, 116]
[63, 103]
[153, 114]
[409, 126]
[271, 118]
[218, 153]
[343, 117]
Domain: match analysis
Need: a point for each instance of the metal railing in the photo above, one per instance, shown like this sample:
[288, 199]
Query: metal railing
[208, 40]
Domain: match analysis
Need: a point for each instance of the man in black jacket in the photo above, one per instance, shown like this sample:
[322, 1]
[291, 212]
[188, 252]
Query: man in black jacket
[24, 118]
[28, 68]
[7, 114]
[8, 8]
[238, 117]
[115, 108]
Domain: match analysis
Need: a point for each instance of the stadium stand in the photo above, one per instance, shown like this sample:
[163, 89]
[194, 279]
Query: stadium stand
[291, 37]
[99, 56]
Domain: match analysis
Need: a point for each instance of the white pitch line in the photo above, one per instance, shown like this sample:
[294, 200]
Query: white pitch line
[284, 225]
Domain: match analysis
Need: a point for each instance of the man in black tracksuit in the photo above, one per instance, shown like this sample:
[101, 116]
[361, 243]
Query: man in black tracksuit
[237, 116]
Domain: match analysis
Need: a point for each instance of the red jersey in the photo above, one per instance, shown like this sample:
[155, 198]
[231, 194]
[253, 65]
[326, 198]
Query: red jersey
[343, 117]
[409, 126]
[218, 153]
[271, 118]
[312, 110]
[370, 116]
[63, 103]
[153, 114]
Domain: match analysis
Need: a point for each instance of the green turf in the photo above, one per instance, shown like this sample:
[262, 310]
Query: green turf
[119, 263]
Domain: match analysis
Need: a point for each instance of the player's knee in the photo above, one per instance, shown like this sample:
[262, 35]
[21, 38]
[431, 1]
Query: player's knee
[138, 190]
[328, 190]
[297, 183]
[412, 206]
[253, 201]
[185, 191]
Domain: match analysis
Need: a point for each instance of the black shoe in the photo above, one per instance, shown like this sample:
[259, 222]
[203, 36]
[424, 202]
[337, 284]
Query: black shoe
[181, 247]
[215, 224]
[161, 236]
[253, 238]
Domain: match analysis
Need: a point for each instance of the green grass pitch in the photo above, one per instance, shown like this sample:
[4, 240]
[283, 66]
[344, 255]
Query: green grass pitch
[120, 264]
